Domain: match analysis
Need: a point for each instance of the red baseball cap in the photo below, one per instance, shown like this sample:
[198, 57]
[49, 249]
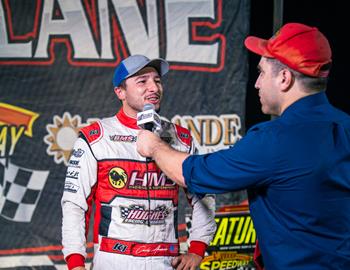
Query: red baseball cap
[300, 47]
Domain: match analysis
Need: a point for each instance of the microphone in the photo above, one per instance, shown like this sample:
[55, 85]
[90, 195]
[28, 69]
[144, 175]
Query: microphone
[148, 119]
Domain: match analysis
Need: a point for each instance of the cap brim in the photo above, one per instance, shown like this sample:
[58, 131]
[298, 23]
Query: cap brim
[159, 64]
[258, 46]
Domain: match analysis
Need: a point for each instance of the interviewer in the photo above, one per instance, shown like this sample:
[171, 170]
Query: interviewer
[296, 167]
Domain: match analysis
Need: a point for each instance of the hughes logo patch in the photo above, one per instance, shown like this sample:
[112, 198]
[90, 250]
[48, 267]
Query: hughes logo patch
[137, 214]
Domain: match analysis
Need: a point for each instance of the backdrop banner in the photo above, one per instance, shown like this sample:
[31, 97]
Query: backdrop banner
[57, 59]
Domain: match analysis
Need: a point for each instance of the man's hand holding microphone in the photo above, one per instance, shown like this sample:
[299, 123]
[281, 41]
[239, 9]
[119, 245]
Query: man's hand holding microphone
[148, 120]
[151, 146]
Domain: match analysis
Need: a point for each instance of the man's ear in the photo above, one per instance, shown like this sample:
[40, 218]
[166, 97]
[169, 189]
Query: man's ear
[286, 79]
[120, 92]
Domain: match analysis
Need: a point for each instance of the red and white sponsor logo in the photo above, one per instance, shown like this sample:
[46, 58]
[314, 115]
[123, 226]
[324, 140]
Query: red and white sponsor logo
[139, 250]
[140, 180]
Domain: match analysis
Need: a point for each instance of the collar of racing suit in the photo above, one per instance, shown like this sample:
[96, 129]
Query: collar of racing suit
[127, 120]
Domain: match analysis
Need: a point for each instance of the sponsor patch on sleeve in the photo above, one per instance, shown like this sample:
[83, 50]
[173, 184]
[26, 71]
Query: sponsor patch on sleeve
[70, 187]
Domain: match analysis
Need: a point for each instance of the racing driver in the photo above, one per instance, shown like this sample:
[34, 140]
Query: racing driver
[136, 205]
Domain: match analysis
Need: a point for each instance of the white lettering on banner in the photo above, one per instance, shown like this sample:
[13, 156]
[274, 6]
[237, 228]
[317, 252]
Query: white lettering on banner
[179, 48]
[211, 133]
[100, 34]
[140, 40]
[74, 24]
[14, 50]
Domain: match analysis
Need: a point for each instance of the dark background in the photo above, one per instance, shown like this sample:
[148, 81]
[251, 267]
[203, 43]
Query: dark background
[326, 16]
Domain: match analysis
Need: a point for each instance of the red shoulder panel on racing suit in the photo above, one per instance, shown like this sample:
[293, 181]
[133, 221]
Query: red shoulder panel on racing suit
[92, 133]
[184, 135]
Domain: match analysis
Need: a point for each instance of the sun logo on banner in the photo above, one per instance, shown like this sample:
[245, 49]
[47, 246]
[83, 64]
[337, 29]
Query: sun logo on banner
[62, 135]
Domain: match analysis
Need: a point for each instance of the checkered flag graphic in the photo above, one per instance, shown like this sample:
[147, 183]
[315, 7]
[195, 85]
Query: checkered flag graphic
[20, 191]
[188, 220]
[124, 211]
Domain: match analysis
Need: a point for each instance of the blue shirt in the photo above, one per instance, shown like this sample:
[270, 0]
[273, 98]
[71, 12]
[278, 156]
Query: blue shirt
[296, 169]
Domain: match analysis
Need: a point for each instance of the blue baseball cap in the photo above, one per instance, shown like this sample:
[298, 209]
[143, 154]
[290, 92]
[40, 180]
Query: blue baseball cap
[134, 63]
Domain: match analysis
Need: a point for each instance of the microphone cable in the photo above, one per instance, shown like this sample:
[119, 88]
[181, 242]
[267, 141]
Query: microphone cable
[148, 160]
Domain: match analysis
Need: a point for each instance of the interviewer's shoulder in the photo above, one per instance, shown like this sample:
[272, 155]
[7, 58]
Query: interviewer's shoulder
[266, 126]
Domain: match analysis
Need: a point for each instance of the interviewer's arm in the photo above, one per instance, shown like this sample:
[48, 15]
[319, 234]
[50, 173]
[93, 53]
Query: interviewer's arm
[168, 159]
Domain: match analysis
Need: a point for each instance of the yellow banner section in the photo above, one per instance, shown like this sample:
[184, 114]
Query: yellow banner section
[15, 116]
[234, 241]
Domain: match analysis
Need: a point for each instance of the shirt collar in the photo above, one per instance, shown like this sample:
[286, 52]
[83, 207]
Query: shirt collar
[127, 120]
[307, 102]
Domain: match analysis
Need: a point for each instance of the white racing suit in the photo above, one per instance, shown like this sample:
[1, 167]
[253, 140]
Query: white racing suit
[135, 222]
